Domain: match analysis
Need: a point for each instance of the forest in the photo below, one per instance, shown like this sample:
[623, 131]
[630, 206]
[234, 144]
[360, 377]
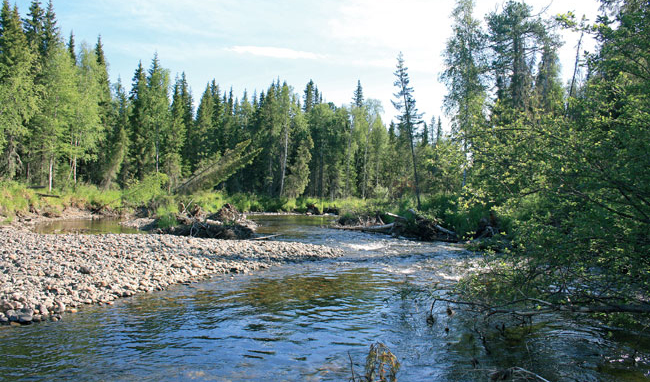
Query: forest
[560, 171]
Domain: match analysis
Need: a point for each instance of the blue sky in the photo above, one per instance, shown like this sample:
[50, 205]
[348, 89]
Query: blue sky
[247, 44]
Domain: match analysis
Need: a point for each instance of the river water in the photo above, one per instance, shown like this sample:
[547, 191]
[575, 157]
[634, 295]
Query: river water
[309, 322]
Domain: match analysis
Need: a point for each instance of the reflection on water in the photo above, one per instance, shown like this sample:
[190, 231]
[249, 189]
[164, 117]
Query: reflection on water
[303, 323]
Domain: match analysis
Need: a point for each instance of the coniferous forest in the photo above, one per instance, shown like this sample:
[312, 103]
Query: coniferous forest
[560, 170]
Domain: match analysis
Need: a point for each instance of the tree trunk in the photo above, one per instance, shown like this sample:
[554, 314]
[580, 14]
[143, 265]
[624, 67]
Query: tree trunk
[575, 67]
[51, 173]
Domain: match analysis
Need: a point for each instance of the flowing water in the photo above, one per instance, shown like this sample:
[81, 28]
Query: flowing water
[309, 322]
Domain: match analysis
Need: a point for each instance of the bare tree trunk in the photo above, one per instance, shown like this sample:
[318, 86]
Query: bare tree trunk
[575, 66]
[51, 173]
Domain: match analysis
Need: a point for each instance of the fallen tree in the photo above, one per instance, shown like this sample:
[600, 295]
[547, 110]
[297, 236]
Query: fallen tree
[419, 227]
[227, 224]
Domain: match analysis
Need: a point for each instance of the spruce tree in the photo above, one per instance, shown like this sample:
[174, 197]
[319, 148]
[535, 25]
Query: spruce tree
[357, 100]
[515, 36]
[117, 139]
[174, 140]
[72, 48]
[51, 33]
[51, 138]
[409, 118]
[137, 134]
[199, 146]
[465, 62]
[157, 116]
[308, 97]
[34, 29]
[17, 99]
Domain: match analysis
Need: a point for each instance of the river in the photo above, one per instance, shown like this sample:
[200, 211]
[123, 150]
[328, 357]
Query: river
[307, 322]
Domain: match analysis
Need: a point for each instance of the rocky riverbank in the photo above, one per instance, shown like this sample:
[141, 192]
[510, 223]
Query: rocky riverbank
[44, 276]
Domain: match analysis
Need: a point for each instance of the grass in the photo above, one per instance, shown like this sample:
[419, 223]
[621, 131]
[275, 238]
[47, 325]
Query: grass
[16, 199]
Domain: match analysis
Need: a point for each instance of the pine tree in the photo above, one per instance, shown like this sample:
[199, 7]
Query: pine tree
[409, 118]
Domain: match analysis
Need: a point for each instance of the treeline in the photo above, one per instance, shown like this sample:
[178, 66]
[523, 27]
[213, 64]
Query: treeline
[62, 122]
[563, 168]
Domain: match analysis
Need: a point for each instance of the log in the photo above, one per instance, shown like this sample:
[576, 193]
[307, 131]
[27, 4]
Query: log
[396, 217]
[48, 195]
[444, 230]
[437, 227]
[266, 237]
[386, 228]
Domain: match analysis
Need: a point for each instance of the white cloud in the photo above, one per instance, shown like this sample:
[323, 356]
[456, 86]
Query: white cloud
[274, 52]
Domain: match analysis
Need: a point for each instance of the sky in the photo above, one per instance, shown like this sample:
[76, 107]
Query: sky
[247, 44]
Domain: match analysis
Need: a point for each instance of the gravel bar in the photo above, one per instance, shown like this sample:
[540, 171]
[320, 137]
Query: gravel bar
[44, 276]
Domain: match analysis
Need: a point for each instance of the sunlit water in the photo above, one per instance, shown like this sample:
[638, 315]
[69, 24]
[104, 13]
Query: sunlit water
[306, 322]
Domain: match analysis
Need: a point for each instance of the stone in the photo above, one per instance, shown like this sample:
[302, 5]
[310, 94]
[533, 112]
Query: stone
[59, 307]
[12, 315]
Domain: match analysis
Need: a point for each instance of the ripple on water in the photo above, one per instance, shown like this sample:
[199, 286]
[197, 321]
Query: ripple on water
[303, 322]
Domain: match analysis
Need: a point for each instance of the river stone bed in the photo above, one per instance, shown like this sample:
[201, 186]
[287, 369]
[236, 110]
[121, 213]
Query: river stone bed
[44, 276]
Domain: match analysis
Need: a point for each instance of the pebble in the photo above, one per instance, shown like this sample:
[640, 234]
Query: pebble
[44, 276]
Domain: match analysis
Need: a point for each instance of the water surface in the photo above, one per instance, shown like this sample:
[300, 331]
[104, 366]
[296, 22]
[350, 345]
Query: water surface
[304, 322]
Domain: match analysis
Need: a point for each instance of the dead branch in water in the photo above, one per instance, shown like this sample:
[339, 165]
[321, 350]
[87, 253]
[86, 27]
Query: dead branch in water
[542, 307]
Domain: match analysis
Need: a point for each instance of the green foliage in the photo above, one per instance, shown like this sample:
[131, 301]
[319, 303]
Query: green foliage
[15, 198]
[89, 196]
[165, 212]
[17, 98]
[142, 192]
[567, 179]
[219, 169]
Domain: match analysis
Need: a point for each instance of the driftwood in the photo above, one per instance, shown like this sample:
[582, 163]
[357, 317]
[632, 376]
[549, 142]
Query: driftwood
[48, 195]
[385, 228]
[227, 223]
[209, 231]
[421, 228]
[266, 237]
[396, 217]
[542, 307]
